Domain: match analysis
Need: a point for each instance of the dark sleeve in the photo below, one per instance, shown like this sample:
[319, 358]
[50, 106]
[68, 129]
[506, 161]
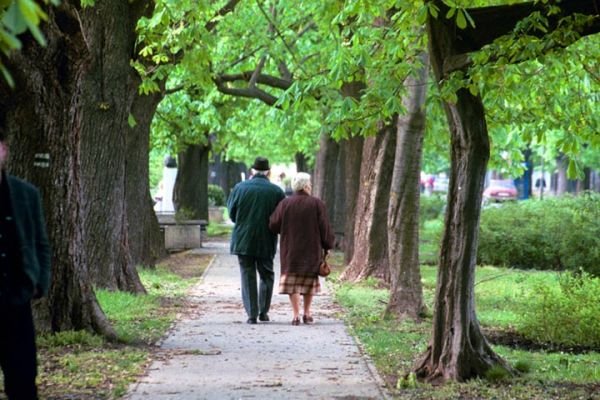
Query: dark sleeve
[327, 236]
[231, 205]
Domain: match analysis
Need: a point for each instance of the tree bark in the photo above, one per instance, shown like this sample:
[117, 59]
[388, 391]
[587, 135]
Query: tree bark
[370, 226]
[325, 172]
[338, 218]
[352, 161]
[145, 242]
[458, 349]
[301, 163]
[190, 192]
[353, 148]
[406, 291]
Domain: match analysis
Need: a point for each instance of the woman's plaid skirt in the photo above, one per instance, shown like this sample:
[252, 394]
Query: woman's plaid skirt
[296, 283]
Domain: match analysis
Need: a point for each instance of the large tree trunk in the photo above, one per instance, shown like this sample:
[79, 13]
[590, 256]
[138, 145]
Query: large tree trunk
[145, 242]
[353, 148]
[325, 172]
[339, 216]
[191, 185]
[406, 292]
[370, 229]
[301, 163]
[71, 104]
[458, 349]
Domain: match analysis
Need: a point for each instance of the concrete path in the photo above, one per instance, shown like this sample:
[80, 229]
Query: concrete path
[213, 354]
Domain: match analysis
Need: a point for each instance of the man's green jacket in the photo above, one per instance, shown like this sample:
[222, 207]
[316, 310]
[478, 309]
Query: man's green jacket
[250, 205]
[34, 249]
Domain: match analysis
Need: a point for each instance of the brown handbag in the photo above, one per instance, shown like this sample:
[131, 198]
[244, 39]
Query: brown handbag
[324, 268]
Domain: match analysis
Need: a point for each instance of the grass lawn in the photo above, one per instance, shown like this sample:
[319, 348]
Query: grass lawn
[501, 296]
[79, 365]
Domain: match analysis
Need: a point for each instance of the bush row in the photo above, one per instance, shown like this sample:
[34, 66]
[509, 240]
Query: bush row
[554, 234]
[564, 314]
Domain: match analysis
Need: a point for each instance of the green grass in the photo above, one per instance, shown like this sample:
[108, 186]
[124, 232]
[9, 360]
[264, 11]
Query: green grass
[78, 364]
[218, 230]
[430, 236]
[500, 294]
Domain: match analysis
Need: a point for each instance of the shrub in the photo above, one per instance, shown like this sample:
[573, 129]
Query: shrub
[216, 195]
[566, 314]
[431, 207]
[554, 234]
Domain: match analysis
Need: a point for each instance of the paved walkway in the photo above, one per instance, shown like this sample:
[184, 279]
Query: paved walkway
[214, 354]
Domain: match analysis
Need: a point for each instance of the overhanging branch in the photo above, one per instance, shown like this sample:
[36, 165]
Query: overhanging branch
[252, 93]
[263, 79]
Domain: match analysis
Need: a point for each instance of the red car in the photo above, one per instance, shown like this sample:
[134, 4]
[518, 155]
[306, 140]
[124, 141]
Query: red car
[500, 190]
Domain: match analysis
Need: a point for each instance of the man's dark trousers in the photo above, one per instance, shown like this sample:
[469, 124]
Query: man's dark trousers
[256, 302]
[17, 351]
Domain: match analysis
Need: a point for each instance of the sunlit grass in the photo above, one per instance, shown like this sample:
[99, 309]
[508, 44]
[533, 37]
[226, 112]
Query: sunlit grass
[78, 364]
[500, 294]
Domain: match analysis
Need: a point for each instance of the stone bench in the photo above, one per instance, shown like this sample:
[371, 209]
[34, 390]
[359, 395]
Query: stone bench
[181, 235]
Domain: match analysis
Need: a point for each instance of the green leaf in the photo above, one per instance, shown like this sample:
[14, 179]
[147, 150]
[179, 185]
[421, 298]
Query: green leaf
[131, 121]
[7, 76]
[572, 170]
[30, 11]
[37, 34]
[450, 13]
[433, 10]
[422, 14]
[471, 21]
[11, 40]
[461, 22]
[13, 20]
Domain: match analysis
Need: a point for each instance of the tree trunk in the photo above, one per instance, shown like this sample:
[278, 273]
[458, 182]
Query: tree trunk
[406, 292]
[301, 163]
[352, 161]
[191, 185]
[353, 148]
[458, 349]
[325, 172]
[338, 218]
[145, 241]
[370, 229]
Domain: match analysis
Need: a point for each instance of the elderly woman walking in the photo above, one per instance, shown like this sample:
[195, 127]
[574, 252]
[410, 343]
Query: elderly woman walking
[306, 236]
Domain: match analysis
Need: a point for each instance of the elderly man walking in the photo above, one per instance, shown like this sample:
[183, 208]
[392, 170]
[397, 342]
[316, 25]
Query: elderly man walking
[250, 205]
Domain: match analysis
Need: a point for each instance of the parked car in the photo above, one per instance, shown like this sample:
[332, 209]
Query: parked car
[500, 190]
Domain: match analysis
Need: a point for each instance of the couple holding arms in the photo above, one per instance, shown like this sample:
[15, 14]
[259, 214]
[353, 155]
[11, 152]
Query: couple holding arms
[260, 211]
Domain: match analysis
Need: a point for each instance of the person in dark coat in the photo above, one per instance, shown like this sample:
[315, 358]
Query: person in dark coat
[306, 236]
[24, 275]
[250, 204]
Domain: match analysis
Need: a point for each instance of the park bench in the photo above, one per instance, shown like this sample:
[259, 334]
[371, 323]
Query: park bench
[183, 234]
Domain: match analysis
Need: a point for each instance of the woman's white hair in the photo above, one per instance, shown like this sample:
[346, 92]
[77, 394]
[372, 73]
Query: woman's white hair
[300, 181]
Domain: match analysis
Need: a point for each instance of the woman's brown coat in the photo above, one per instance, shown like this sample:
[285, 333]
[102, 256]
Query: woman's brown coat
[302, 222]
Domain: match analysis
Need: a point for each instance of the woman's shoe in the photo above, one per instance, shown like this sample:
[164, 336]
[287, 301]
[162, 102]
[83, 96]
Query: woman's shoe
[307, 319]
[296, 321]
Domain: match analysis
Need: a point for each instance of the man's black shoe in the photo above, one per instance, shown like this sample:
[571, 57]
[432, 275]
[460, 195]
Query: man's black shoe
[264, 317]
[251, 321]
